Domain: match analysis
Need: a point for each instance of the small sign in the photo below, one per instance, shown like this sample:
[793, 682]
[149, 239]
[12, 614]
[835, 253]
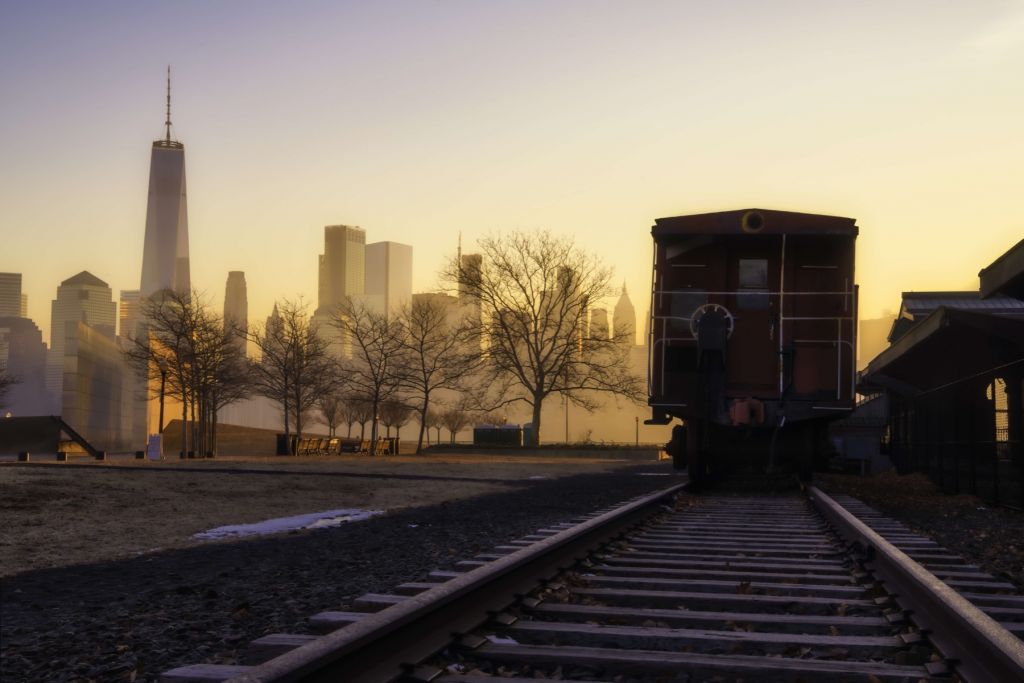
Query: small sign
[155, 447]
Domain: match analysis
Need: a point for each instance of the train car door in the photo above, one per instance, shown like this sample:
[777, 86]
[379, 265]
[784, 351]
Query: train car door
[752, 365]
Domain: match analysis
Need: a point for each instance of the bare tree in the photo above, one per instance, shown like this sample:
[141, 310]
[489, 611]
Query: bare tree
[374, 371]
[394, 414]
[535, 290]
[332, 411]
[294, 367]
[433, 421]
[360, 412]
[456, 419]
[186, 343]
[436, 354]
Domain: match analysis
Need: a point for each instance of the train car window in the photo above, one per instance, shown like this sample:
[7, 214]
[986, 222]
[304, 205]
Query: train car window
[753, 276]
[681, 308]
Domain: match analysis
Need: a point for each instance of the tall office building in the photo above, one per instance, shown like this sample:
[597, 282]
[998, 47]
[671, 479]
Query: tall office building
[236, 306]
[129, 312]
[82, 298]
[342, 265]
[388, 276]
[10, 295]
[24, 305]
[165, 263]
[624, 317]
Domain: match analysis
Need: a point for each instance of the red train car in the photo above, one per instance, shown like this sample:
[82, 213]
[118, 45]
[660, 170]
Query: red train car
[752, 336]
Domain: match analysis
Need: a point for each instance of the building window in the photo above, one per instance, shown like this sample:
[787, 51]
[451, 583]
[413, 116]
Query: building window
[997, 394]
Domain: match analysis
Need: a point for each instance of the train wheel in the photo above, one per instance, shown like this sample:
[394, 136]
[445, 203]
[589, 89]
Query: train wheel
[677, 447]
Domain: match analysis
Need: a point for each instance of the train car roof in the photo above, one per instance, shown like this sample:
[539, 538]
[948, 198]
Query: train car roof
[755, 221]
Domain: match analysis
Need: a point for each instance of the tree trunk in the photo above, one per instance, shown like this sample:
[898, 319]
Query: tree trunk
[423, 426]
[535, 439]
[287, 434]
[184, 424]
[373, 429]
[213, 432]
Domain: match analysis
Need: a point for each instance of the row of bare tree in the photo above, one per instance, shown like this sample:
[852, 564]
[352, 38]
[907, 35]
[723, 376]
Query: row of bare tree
[519, 334]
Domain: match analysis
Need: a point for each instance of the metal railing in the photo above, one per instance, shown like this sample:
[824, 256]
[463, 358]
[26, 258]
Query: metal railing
[663, 334]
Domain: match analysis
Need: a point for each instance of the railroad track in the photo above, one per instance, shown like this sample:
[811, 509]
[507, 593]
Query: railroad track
[714, 588]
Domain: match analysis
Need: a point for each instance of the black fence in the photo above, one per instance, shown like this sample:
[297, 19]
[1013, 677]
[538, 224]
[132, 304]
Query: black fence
[966, 436]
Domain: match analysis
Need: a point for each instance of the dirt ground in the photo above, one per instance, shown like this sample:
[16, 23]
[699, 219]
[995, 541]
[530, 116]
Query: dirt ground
[60, 514]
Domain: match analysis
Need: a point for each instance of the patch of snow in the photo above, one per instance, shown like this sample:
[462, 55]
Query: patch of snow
[313, 520]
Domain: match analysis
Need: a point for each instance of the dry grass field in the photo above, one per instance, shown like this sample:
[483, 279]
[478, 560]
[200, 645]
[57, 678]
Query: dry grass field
[59, 514]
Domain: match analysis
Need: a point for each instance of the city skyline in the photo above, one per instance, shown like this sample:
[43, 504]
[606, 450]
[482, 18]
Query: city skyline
[904, 119]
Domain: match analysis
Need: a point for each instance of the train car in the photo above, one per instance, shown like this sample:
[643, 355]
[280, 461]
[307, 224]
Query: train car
[752, 337]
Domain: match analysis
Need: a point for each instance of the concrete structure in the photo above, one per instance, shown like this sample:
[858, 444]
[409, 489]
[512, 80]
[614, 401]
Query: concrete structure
[10, 295]
[342, 265]
[81, 298]
[624, 317]
[97, 386]
[236, 306]
[389, 276]
[165, 259]
[599, 323]
[23, 355]
[129, 312]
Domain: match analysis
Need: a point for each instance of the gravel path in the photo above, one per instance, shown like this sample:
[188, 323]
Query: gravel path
[132, 619]
[991, 537]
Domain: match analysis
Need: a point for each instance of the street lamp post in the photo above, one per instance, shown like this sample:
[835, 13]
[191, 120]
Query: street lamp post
[163, 383]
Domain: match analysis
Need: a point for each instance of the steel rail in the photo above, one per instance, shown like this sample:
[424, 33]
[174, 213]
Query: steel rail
[382, 646]
[977, 647]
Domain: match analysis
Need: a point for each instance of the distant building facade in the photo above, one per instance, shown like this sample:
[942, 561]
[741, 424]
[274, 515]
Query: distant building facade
[82, 298]
[129, 312]
[624, 317]
[388, 269]
[10, 295]
[599, 323]
[342, 265]
[23, 355]
[236, 306]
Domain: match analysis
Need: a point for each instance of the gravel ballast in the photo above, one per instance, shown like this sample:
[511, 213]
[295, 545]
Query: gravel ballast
[132, 619]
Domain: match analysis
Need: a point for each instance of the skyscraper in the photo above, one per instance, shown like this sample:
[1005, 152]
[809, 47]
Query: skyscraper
[236, 306]
[624, 318]
[129, 312]
[10, 295]
[165, 262]
[342, 265]
[82, 298]
[388, 276]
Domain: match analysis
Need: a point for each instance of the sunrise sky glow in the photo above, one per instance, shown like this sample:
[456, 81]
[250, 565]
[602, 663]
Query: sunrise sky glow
[417, 120]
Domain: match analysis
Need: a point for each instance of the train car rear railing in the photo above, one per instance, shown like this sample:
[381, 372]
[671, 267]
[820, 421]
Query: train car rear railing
[662, 335]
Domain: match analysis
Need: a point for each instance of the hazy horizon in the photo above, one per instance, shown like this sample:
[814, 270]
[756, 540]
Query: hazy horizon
[417, 121]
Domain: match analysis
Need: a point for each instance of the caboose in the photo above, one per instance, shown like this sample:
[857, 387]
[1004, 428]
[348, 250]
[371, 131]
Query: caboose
[752, 338]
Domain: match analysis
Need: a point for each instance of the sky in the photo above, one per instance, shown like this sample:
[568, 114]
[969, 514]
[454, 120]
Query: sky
[421, 120]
